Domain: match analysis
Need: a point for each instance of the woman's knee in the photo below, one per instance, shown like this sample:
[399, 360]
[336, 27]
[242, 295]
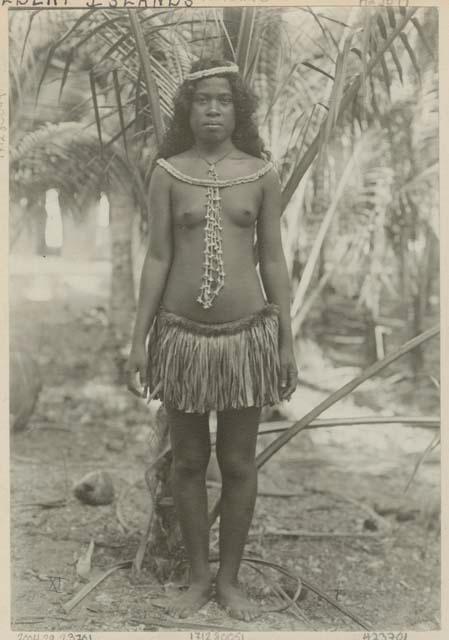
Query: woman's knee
[235, 466]
[190, 441]
[188, 464]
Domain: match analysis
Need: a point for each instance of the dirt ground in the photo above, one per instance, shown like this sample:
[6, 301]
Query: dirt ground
[331, 508]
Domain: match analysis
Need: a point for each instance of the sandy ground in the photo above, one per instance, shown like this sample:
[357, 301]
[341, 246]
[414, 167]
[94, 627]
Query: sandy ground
[346, 526]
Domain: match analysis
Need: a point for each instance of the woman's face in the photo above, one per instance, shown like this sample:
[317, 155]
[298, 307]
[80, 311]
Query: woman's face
[212, 116]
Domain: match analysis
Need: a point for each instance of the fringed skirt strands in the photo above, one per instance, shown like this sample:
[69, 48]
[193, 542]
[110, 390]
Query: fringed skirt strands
[203, 366]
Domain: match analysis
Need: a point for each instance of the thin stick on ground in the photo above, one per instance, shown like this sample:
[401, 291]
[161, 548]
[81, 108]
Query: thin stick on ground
[90, 586]
[301, 533]
[423, 422]
[51, 504]
[432, 444]
[138, 560]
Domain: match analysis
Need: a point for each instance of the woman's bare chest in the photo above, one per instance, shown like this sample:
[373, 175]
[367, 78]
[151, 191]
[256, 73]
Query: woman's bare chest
[240, 205]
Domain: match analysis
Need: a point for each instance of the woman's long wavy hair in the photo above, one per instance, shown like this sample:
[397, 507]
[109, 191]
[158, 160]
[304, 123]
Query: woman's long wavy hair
[179, 136]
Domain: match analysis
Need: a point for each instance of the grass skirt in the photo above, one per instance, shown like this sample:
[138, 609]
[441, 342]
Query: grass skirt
[203, 366]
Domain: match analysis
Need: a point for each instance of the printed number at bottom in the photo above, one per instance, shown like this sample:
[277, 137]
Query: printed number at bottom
[381, 635]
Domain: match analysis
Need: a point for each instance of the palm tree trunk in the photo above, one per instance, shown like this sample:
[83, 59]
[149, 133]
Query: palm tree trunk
[122, 301]
[39, 217]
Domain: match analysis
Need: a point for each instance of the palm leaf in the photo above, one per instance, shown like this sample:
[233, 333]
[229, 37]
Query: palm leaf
[391, 17]
[366, 44]
[219, 17]
[375, 106]
[386, 75]
[334, 20]
[117, 45]
[411, 53]
[381, 25]
[120, 110]
[68, 64]
[247, 40]
[33, 14]
[96, 110]
[50, 55]
[423, 37]
[394, 55]
[51, 52]
[315, 68]
[139, 113]
[150, 83]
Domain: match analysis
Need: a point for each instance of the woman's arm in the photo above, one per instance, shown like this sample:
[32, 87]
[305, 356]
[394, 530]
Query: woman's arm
[273, 271]
[154, 272]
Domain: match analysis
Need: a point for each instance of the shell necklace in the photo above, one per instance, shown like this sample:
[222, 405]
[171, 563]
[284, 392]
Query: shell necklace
[213, 266]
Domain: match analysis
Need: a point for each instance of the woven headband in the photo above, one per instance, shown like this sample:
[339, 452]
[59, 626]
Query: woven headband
[213, 71]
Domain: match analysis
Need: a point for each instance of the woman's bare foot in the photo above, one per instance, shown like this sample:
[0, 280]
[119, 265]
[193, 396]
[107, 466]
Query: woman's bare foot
[235, 602]
[189, 602]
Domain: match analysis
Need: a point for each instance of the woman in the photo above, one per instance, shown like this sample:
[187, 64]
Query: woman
[218, 340]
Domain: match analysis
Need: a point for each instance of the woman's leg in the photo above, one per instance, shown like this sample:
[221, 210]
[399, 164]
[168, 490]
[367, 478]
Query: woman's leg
[236, 449]
[190, 441]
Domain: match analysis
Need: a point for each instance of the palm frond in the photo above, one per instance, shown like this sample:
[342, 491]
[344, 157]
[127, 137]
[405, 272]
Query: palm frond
[315, 68]
[411, 53]
[120, 111]
[65, 74]
[96, 110]
[32, 15]
[247, 40]
[151, 86]
[423, 37]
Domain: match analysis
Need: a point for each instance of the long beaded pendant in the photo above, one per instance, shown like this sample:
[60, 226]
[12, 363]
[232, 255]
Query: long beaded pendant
[213, 267]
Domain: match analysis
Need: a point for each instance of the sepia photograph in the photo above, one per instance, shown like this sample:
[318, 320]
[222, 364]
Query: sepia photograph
[224, 319]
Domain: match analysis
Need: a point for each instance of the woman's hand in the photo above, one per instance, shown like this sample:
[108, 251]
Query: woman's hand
[137, 363]
[289, 372]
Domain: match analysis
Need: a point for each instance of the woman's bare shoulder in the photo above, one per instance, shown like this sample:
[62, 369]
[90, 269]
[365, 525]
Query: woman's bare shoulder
[159, 173]
[250, 165]
[253, 163]
[181, 161]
